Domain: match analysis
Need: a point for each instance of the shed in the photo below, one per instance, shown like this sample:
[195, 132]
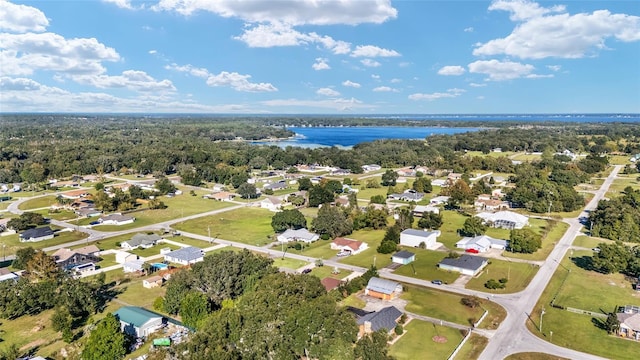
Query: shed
[403, 257]
[138, 321]
[383, 289]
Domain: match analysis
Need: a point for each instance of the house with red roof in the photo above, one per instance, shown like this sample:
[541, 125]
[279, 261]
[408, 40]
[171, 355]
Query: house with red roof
[349, 246]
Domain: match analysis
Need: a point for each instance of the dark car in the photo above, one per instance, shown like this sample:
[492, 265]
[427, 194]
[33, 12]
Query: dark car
[306, 271]
[436, 282]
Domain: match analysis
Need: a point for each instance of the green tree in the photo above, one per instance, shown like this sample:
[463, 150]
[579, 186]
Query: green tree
[178, 286]
[62, 321]
[318, 195]
[422, 184]
[378, 199]
[430, 220]
[612, 324]
[23, 256]
[105, 341]
[473, 226]
[42, 267]
[288, 219]
[335, 186]
[332, 221]
[304, 184]
[524, 241]
[373, 347]
[387, 247]
[193, 308]
[164, 186]
[247, 191]
[404, 218]
[296, 200]
[392, 234]
[389, 178]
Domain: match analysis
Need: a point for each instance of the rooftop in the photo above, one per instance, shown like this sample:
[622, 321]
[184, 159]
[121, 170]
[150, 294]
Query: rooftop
[403, 254]
[135, 316]
[465, 262]
[383, 319]
[382, 285]
[188, 253]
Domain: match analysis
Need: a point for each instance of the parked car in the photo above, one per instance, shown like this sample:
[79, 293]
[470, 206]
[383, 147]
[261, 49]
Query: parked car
[436, 282]
[343, 253]
[306, 271]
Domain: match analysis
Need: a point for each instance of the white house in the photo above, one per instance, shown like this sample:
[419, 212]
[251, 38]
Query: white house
[481, 243]
[185, 256]
[465, 264]
[133, 266]
[349, 246]
[419, 210]
[123, 257]
[439, 200]
[272, 203]
[403, 257]
[303, 235]
[413, 238]
[116, 219]
[371, 167]
[408, 195]
[144, 241]
[504, 219]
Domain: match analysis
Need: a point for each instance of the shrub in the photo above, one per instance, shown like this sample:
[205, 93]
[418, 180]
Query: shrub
[470, 301]
[399, 330]
[325, 237]
[493, 284]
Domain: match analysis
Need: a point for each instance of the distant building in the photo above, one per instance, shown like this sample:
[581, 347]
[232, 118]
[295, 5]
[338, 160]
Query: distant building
[504, 219]
[116, 219]
[420, 210]
[481, 243]
[439, 200]
[185, 256]
[371, 167]
[348, 245]
[408, 195]
[68, 259]
[303, 235]
[144, 241]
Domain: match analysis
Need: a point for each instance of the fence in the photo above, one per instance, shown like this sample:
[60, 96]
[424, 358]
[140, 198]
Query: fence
[586, 312]
[464, 340]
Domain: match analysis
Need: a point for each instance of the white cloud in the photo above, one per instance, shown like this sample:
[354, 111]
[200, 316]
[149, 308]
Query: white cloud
[370, 63]
[123, 4]
[239, 82]
[371, 51]
[130, 79]
[279, 34]
[294, 12]
[339, 104]
[499, 70]
[349, 83]
[469, 29]
[550, 32]
[375, 76]
[21, 18]
[451, 93]
[396, 81]
[539, 76]
[452, 70]
[477, 85]
[18, 84]
[554, 67]
[321, 64]
[189, 69]
[153, 52]
[327, 92]
[480, 97]
[384, 89]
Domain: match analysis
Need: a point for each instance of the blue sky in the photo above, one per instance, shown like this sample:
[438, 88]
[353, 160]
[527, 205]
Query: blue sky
[320, 56]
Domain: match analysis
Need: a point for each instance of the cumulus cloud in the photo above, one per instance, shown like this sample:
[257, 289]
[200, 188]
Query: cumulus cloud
[396, 81]
[321, 64]
[554, 67]
[18, 84]
[370, 63]
[239, 82]
[551, 32]
[349, 83]
[294, 12]
[130, 79]
[327, 92]
[279, 34]
[371, 51]
[477, 85]
[189, 69]
[339, 104]
[500, 70]
[451, 93]
[452, 70]
[21, 18]
[123, 4]
[469, 29]
[384, 89]
[375, 76]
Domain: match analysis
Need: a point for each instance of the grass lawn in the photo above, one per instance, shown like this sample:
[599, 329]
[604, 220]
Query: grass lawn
[369, 256]
[526, 157]
[472, 348]
[327, 271]
[619, 159]
[5, 204]
[440, 305]
[417, 343]
[533, 356]
[154, 250]
[62, 215]
[491, 154]
[250, 226]
[353, 300]
[107, 260]
[27, 332]
[366, 194]
[621, 182]
[135, 294]
[591, 242]
[590, 291]
[426, 267]
[288, 263]
[13, 241]
[556, 232]
[37, 203]
[451, 222]
[320, 249]
[519, 275]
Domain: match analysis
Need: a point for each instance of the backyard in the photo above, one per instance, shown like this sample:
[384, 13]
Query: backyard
[425, 267]
[518, 275]
[369, 256]
[440, 305]
[417, 342]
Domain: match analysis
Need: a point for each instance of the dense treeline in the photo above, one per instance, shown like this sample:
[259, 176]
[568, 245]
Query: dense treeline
[618, 218]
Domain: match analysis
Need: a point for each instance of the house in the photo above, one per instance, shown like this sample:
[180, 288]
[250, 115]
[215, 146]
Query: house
[272, 203]
[504, 219]
[133, 266]
[386, 318]
[75, 194]
[454, 176]
[406, 172]
[221, 196]
[144, 241]
[439, 200]
[88, 212]
[403, 257]
[218, 187]
[419, 210]
[84, 268]
[481, 243]
[348, 246]
[139, 322]
[154, 281]
[489, 203]
[439, 182]
[123, 257]
[67, 259]
[629, 318]
[371, 167]
[383, 289]
[408, 195]
[635, 158]
[340, 172]
[185, 256]
[116, 219]
[330, 283]
[280, 185]
[413, 238]
[342, 201]
[5, 275]
[465, 264]
[303, 235]
[37, 234]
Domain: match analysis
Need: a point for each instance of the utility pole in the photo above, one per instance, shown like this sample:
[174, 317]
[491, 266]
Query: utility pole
[541, 315]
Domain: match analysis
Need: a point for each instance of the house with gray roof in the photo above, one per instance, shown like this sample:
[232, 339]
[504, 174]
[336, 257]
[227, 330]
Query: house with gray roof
[383, 289]
[409, 195]
[629, 318]
[116, 219]
[144, 241]
[387, 319]
[302, 234]
[139, 322]
[413, 238]
[465, 264]
[403, 257]
[37, 234]
[185, 256]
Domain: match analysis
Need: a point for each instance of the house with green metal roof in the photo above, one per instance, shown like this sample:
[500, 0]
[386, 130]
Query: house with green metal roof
[138, 321]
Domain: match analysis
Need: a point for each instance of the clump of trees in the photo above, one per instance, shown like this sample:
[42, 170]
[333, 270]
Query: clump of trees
[332, 221]
[493, 284]
[288, 219]
[618, 218]
[26, 221]
[617, 257]
[524, 241]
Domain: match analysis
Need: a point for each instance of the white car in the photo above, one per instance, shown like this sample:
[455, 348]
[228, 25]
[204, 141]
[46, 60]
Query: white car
[343, 253]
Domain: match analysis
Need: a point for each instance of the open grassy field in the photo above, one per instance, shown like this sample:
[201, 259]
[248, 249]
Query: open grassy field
[417, 342]
[370, 256]
[590, 291]
[27, 332]
[37, 203]
[621, 182]
[440, 305]
[366, 194]
[472, 348]
[288, 263]
[526, 157]
[491, 154]
[5, 204]
[13, 243]
[426, 267]
[556, 231]
[62, 215]
[135, 294]
[519, 275]
[247, 225]
[451, 222]
[619, 159]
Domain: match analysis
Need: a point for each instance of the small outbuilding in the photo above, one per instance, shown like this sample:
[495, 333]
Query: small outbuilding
[139, 322]
[403, 257]
[383, 289]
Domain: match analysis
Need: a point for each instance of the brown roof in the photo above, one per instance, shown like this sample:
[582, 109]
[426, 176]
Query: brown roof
[354, 244]
[222, 195]
[64, 254]
[75, 192]
[330, 283]
[90, 249]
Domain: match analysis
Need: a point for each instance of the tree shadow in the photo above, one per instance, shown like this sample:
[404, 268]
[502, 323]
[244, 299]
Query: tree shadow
[599, 323]
[584, 262]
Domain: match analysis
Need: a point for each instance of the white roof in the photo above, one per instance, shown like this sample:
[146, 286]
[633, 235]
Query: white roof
[302, 234]
[504, 215]
[483, 241]
[425, 208]
[440, 199]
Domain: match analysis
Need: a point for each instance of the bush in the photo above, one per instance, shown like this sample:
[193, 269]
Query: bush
[268, 191]
[325, 237]
[493, 284]
[158, 304]
[399, 330]
[297, 246]
[503, 280]
[387, 247]
[470, 301]
[403, 318]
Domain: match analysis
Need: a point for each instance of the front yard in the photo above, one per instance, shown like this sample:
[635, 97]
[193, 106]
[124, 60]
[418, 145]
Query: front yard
[425, 267]
[518, 274]
[417, 342]
[440, 305]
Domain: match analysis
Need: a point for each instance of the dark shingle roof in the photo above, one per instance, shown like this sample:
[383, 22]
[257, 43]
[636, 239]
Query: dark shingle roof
[465, 262]
[383, 319]
[403, 254]
[37, 232]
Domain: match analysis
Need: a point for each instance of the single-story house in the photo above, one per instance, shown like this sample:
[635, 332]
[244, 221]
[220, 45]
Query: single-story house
[280, 185]
[74, 194]
[272, 203]
[406, 172]
[341, 172]
[5, 275]
[383, 289]
[139, 322]
[152, 282]
[144, 241]
[481, 243]
[413, 237]
[133, 266]
[439, 182]
[348, 245]
[419, 210]
[371, 167]
[88, 212]
[465, 264]
[490, 204]
[439, 200]
[221, 196]
[629, 318]
[330, 283]
[386, 318]
[403, 257]
[303, 235]
[67, 259]
[37, 234]
[454, 176]
[116, 219]
[504, 219]
[123, 257]
[185, 256]
[408, 195]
